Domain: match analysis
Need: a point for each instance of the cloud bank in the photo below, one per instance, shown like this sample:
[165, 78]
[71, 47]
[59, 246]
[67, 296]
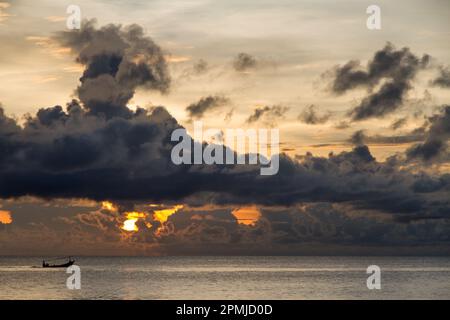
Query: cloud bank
[97, 148]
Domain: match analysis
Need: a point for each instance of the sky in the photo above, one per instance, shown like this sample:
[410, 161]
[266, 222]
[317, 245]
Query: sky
[86, 117]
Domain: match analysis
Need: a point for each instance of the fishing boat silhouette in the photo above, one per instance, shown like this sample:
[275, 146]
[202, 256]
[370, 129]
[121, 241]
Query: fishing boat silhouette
[46, 264]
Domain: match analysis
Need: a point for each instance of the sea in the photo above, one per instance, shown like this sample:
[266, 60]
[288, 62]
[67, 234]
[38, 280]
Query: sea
[225, 277]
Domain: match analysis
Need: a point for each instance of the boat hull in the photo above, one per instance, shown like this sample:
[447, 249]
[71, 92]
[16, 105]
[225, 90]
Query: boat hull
[65, 265]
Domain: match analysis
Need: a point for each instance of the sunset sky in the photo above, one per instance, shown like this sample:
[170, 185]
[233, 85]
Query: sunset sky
[364, 120]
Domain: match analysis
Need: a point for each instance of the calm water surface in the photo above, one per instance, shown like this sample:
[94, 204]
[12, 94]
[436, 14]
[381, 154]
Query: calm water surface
[229, 278]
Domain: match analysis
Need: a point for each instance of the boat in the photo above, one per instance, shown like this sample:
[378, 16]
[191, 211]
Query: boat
[45, 264]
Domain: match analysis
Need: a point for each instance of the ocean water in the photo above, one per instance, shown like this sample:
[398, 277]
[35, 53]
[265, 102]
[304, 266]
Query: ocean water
[228, 278]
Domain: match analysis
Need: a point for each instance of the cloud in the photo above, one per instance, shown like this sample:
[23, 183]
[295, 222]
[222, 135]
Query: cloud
[229, 115]
[310, 116]
[268, 113]
[341, 125]
[108, 152]
[73, 154]
[396, 67]
[198, 109]
[360, 138]
[399, 123]
[118, 60]
[314, 228]
[385, 101]
[244, 62]
[443, 80]
[435, 147]
[200, 67]
[349, 77]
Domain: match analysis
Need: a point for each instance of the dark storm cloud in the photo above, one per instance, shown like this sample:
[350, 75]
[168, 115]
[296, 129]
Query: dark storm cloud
[397, 67]
[63, 158]
[244, 62]
[443, 79]
[435, 147]
[128, 159]
[310, 116]
[118, 60]
[197, 110]
[268, 112]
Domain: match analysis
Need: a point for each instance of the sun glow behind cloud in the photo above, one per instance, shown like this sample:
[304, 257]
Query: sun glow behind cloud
[5, 217]
[163, 214]
[247, 215]
[106, 205]
[132, 218]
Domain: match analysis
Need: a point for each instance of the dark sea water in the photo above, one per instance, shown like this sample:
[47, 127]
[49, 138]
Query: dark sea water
[229, 278]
